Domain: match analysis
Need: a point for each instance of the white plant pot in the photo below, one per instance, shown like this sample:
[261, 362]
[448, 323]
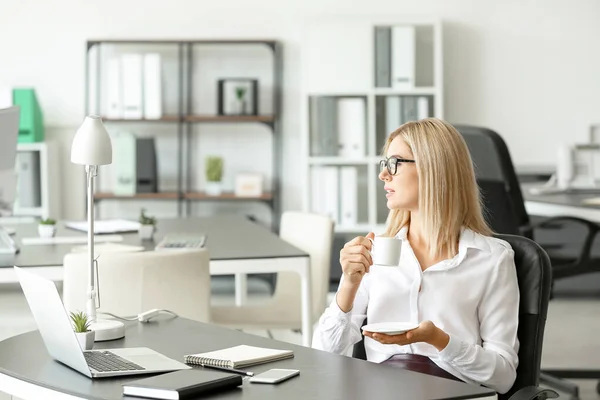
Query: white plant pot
[213, 188]
[86, 339]
[46, 231]
[146, 232]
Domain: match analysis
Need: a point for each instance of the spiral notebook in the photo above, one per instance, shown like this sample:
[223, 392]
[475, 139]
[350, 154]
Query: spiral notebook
[238, 356]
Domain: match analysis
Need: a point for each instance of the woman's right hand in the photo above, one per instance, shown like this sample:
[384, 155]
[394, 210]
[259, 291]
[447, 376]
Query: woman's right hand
[355, 258]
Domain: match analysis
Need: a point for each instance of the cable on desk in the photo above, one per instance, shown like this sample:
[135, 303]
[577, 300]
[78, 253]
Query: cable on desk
[117, 317]
[142, 317]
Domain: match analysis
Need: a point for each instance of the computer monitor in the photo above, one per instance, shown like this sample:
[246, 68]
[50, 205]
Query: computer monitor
[9, 133]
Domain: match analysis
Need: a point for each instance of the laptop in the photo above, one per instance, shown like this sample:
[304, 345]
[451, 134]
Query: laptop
[57, 333]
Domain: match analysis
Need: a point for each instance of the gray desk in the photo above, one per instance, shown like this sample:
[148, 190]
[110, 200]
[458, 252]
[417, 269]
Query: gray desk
[236, 246]
[229, 238]
[557, 204]
[27, 371]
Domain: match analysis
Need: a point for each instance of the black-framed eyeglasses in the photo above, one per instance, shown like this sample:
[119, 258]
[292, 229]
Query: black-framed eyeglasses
[391, 164]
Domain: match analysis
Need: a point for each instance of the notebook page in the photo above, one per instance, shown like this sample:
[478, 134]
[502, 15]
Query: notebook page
[243, 355]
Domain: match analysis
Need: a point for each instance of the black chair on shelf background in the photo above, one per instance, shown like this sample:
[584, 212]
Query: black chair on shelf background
[534, 275]
[567, 240]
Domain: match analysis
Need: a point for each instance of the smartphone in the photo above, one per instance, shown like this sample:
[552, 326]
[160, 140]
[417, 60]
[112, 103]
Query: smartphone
[274, 376]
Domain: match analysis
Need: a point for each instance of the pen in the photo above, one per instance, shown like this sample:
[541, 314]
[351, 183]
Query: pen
[237, 371]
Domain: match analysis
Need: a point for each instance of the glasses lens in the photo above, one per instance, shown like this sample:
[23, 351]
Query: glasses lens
[392, 165]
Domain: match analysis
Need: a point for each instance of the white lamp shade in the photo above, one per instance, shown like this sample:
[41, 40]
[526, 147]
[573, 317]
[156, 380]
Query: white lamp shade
[91, 144]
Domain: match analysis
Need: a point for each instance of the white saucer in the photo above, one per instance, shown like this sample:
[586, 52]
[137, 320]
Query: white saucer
[390, 328]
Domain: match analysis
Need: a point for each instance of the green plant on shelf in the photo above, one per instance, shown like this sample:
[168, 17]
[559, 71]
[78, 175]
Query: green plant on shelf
[81, 323]
[214, 169]
[240, 92]
[48, 221]
[145, 219]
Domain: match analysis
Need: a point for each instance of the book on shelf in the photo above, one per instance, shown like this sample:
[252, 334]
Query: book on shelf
[132, 81]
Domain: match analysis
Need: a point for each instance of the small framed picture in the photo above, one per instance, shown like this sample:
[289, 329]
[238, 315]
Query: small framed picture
[238, 96]
[248, 185]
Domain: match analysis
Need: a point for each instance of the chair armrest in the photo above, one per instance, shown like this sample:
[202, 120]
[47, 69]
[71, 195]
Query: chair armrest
[533, 393]
[592, 227]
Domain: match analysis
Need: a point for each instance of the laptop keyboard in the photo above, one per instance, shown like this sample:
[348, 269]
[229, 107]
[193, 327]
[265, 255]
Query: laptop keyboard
[106, 361]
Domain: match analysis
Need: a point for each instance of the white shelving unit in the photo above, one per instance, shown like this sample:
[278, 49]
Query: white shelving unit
[342, 60]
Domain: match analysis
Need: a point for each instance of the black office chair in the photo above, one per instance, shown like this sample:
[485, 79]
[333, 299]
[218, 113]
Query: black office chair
[534, 277]
[505, 205]
[505, 212]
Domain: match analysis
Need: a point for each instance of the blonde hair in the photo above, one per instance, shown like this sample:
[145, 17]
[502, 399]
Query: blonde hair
[449, 197]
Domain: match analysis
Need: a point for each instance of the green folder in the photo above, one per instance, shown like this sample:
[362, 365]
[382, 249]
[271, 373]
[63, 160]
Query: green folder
[31, 125]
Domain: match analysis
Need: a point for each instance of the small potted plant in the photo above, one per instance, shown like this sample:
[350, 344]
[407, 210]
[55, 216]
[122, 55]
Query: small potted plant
[147, 225]
[214, 174]
[47, 228]
[240, 92]
[81, 326]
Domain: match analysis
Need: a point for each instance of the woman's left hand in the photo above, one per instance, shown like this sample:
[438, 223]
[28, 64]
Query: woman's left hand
[426, 332]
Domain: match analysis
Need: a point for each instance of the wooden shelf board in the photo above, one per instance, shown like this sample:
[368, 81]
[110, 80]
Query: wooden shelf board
[229, 118]
[138, 196]
[164, 118]
[224, 196]
[177, 41]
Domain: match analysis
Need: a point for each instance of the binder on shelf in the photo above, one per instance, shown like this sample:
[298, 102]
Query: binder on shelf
[423, 110]
[348, 196]
[152, 86]
[403, 57]
[383, 37]
[352, 127]
[114, 100]
[124, 163]
[323, 126]
[315, 185]
[93, 85]
[409, 108]
[330, 193]
[132, 79]
[325, 191]
[393, 113]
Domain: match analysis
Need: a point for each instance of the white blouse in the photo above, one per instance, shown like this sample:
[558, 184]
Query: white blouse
[473, 297]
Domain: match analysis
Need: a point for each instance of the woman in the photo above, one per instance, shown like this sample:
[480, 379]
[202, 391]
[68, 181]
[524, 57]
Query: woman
[453, 279]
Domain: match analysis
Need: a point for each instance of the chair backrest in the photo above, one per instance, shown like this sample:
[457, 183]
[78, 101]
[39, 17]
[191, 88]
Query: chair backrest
[313, 234]
[134, 282]
[534, 275]
[501, 193]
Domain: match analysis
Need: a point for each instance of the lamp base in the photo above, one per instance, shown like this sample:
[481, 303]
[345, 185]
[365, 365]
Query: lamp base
[107, 330]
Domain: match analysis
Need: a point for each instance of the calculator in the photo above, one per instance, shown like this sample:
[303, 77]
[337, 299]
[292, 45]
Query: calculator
[181, 242]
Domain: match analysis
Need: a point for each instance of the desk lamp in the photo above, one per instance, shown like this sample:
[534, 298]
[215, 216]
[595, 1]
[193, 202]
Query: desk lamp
[92, 147]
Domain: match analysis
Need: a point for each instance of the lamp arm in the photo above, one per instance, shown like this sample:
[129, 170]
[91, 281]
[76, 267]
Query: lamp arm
[92, 171]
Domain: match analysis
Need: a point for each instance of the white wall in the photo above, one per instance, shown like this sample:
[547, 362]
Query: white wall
[528, 69]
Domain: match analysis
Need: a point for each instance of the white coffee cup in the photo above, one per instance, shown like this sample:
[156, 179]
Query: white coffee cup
[386, 251]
